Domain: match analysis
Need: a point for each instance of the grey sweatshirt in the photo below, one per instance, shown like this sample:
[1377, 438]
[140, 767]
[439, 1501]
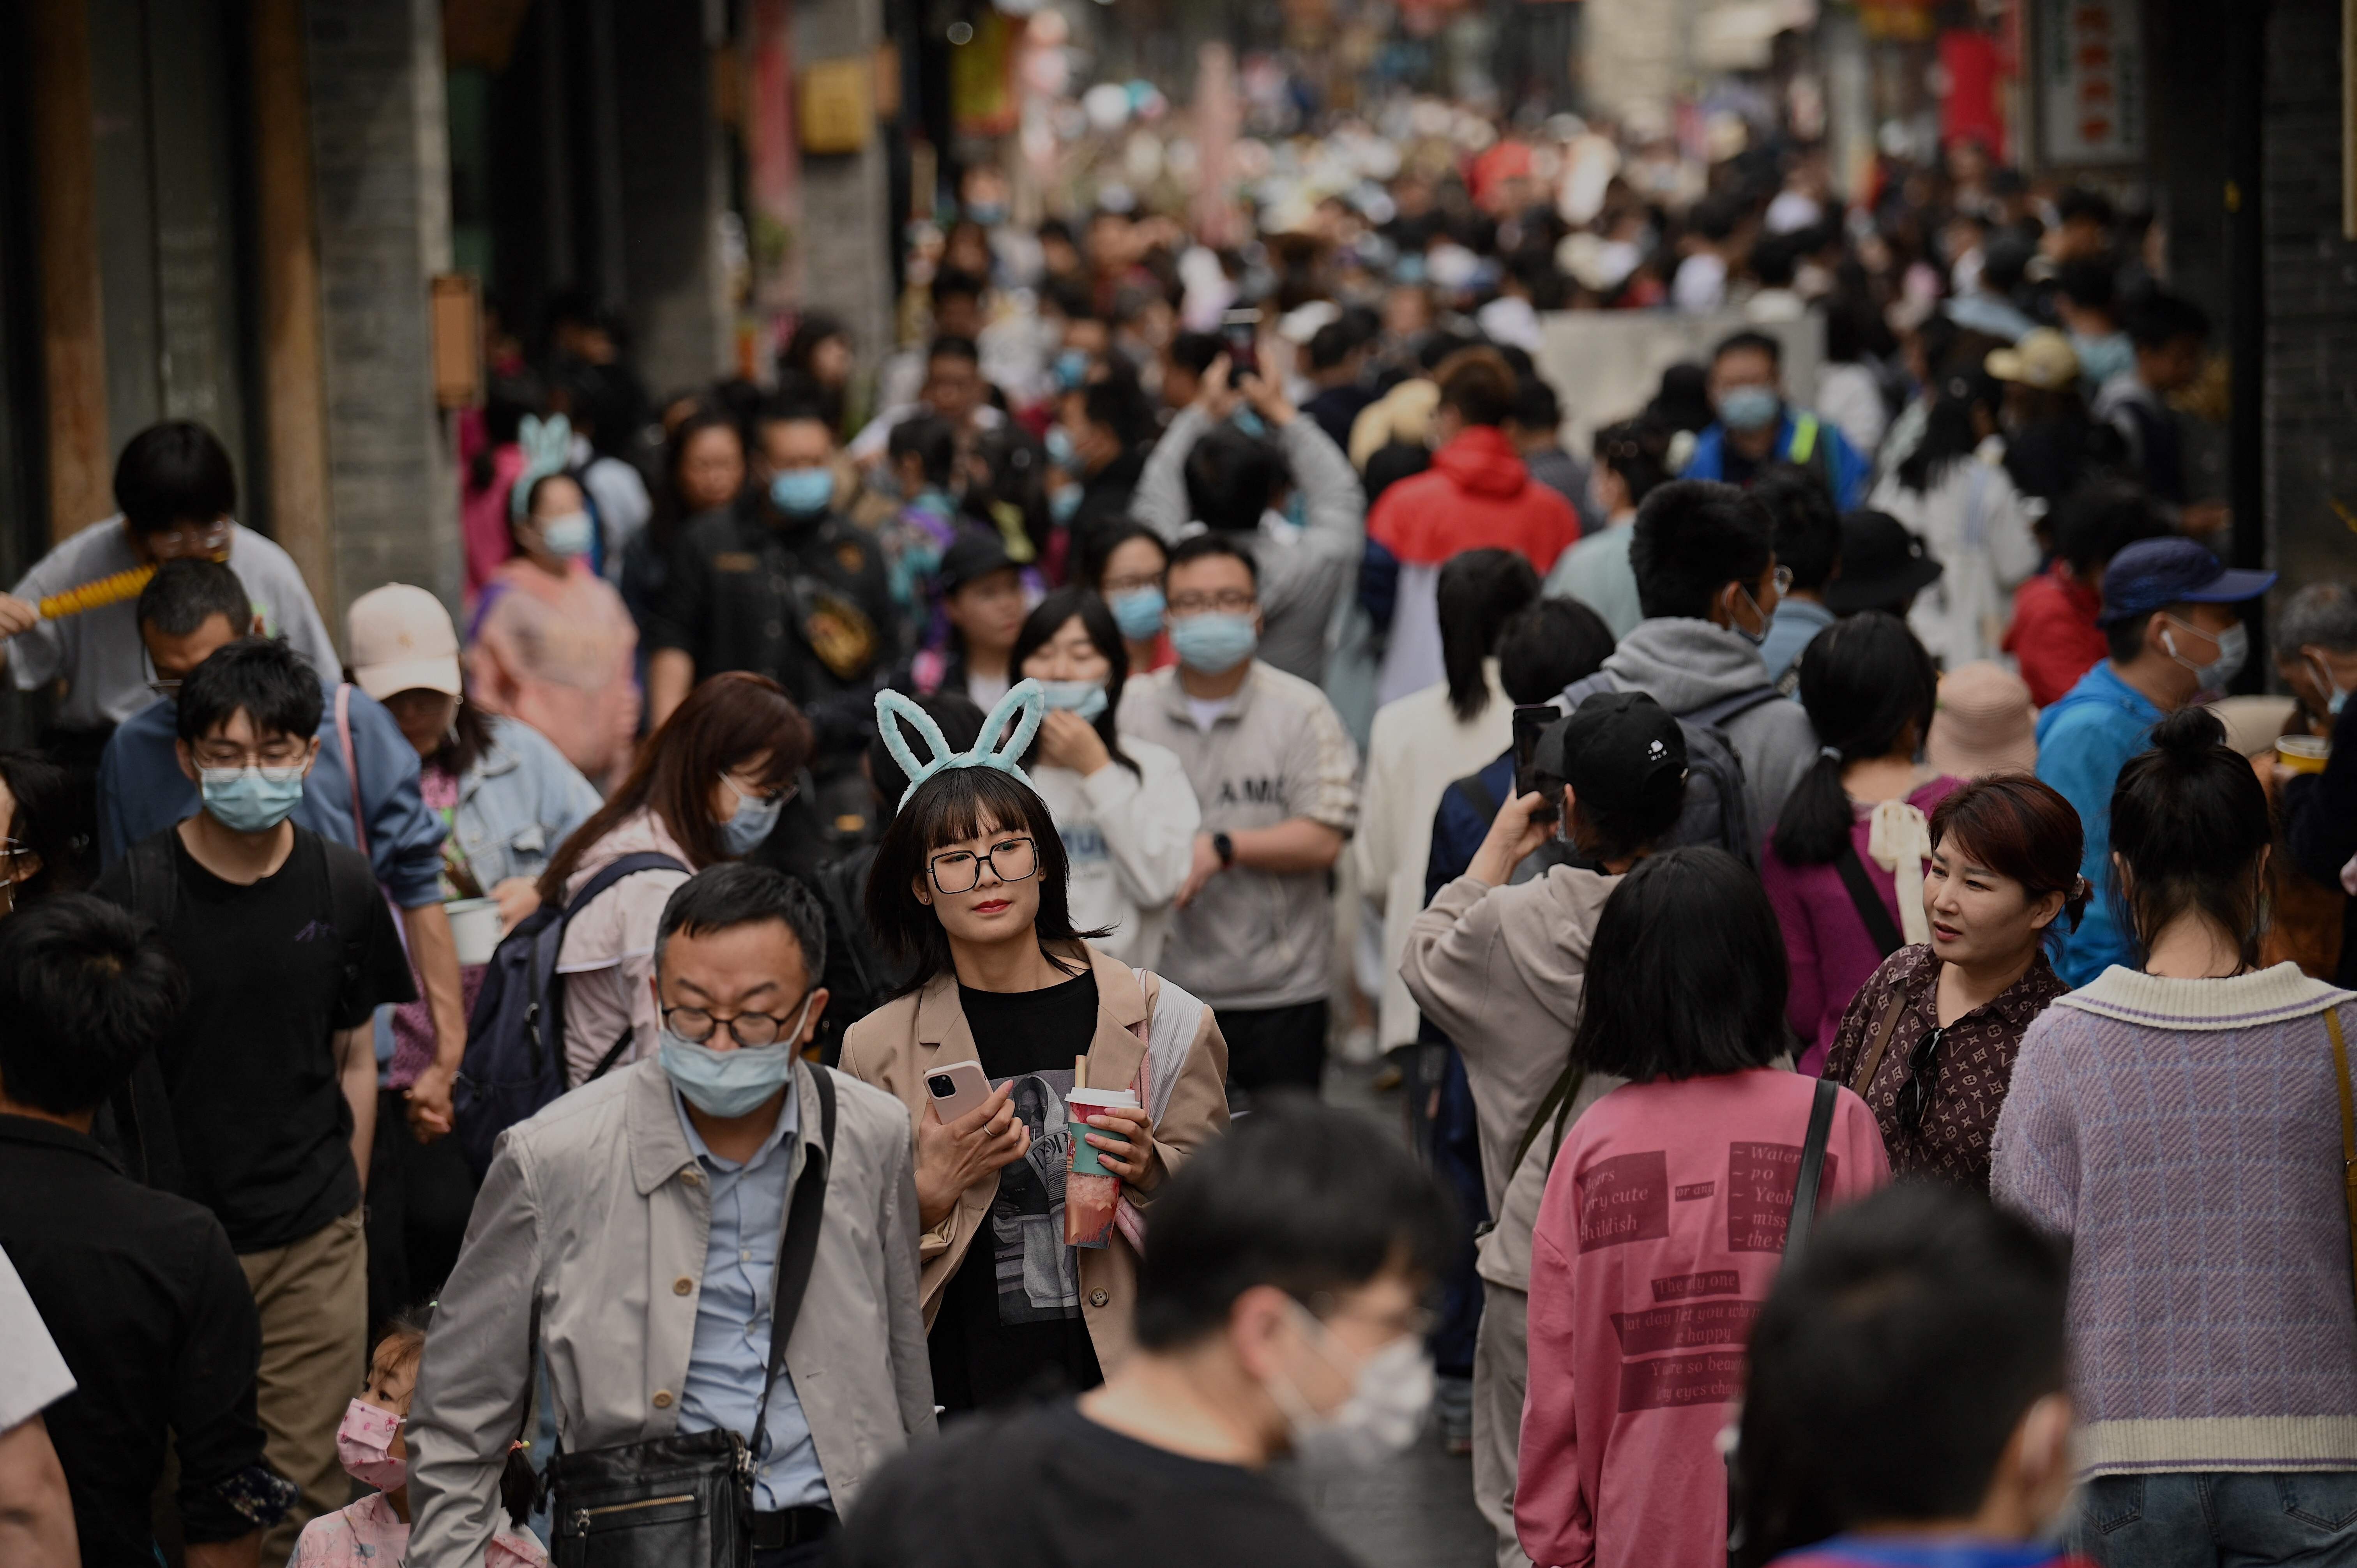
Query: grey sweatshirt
[1686, 664]
[1502, 970]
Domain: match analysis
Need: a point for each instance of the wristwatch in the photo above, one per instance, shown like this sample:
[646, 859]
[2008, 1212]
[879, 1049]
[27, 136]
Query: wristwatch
[1225, 848]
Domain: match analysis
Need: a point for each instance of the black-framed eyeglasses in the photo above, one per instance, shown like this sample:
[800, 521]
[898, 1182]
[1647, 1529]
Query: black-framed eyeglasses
[750, 1030]
[1922, 1068]
[960, 870]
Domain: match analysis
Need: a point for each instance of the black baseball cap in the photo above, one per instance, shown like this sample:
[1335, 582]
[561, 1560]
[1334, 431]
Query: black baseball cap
[1615, 750]
[2154, 574]
[974, 554]
[1881, 564]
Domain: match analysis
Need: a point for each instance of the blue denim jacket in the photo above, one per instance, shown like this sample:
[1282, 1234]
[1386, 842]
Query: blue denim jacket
[517, 803]
[142, 791]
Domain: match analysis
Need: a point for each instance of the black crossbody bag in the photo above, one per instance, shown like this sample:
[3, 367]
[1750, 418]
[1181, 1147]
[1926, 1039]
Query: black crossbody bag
[686, 1501]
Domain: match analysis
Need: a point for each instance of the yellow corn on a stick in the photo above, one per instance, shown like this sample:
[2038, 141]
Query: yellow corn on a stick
[112, 590]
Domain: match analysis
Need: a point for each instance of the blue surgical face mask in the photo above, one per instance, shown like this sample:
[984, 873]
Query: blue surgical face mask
[1060, 450]
[801, 491]
[1754, 638]
[1749, 408]
[2336, 696]
[1213, 643]
[1072, 369]
[1062, 504]
[1086, 698]
[741, 834]
[730, 1083]
[569, 536]
[250, 800]
[1138, 613]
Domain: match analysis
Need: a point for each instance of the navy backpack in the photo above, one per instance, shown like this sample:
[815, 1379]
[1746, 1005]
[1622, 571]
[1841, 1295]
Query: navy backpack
[515, 1040]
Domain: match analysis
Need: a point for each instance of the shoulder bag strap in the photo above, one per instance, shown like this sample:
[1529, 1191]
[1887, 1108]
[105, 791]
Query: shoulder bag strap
[1812, 1167]
[2348, 1131]
[352, 764]
[798, 1250]
[1558, 1099]
[1883, 1030]
[1879, 926]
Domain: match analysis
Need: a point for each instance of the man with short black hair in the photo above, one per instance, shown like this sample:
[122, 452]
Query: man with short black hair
[188, 610]
[1208, 469]
[1501, 968]
[1808, 544]
[1107, 428]
[1278, 1309]
[139, 1288]
[781, 583]
[1756, 427]
[651, 1213]
[1252, 932]
[1338, 362]
[2168, 334]
[1709, 582]
[1908, 1393]
[2174, 631]
[271, 1070]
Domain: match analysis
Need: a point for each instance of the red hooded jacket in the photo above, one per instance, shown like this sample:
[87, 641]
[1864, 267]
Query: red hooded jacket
[1476, 495]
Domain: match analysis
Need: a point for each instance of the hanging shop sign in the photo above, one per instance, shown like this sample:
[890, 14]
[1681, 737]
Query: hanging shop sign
[2091, 67]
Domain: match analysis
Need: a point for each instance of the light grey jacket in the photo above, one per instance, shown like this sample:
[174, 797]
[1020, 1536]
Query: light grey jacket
[593, 1216]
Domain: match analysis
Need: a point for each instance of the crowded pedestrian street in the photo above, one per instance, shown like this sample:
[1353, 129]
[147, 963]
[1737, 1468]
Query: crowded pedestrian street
[1038, 783]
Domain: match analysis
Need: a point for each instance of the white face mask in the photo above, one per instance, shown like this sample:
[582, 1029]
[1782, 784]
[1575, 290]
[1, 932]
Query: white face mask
[1389, 1396]
[2336, 696]
[2233, 647]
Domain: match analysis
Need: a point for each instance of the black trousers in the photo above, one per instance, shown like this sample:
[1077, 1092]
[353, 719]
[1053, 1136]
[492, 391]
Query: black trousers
[1268, 1046]
[419, 1195]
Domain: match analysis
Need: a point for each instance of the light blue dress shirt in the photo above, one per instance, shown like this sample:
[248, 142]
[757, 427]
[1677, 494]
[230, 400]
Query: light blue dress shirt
[731, 1351]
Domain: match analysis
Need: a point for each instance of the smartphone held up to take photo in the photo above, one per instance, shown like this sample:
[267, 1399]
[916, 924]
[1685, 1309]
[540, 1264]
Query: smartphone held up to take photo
[1529, 720]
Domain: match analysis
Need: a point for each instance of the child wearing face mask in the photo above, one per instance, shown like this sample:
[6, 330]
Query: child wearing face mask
[373, 1446]
[551, 642]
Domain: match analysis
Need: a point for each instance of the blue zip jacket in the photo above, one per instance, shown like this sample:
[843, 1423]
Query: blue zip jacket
[2083, 739]
[1824, 450]
[141, 791]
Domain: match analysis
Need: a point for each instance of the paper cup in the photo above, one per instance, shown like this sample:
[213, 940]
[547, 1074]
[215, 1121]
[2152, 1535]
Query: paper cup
[2303, 753]
[1091, 1193]
[475, 927]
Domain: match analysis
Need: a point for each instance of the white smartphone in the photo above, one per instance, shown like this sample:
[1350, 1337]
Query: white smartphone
[957, 1087]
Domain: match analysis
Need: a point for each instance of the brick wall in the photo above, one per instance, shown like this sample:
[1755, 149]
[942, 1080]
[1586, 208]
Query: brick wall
[380, 165]
[2311, 286]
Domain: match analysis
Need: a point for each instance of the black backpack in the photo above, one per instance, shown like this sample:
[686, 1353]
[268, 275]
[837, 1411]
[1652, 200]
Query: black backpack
[1718, 809]
[515, 1039]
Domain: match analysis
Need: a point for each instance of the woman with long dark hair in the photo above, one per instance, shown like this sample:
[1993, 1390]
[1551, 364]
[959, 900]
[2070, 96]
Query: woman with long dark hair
[1952, 492]
[703, 471]
[1665, 1218]
[707, 786]
[2182, 1125]
[1419, 745]
[1844, 867]
[969, 892]
[1929, 1042]
[1122, 806]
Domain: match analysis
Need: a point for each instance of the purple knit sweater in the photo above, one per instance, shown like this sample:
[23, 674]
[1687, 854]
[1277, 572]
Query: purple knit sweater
[2185, 1135]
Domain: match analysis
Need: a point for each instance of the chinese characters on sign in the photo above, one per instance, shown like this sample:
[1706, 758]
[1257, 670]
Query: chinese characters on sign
[2092, 73]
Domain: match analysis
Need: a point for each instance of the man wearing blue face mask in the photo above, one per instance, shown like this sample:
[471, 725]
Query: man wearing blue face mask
[688, 1169]
[2169, 617]
[1756, 428]
[1276, 775]
[270, 1072]
[2315, 636]
[783, 584]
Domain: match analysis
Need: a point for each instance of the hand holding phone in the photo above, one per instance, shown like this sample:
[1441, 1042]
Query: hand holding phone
[956, 1089]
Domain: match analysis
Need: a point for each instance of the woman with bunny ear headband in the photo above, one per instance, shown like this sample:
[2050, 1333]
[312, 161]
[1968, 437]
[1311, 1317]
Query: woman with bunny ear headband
[969, 890]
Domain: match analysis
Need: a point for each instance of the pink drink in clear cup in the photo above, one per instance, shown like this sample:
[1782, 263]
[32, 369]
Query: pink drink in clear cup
[1091, 1193]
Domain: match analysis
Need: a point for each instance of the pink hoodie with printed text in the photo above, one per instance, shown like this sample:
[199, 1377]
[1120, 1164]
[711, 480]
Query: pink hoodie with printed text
[1662, 1229]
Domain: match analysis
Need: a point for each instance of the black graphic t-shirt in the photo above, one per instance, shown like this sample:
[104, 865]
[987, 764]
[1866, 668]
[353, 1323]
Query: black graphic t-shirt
[1010, 1324]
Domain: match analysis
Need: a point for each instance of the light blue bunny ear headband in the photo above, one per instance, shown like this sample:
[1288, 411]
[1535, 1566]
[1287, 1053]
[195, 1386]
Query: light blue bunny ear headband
[547, 445]
[996, 746]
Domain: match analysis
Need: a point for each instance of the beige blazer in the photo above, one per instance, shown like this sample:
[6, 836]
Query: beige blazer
[897, 1044]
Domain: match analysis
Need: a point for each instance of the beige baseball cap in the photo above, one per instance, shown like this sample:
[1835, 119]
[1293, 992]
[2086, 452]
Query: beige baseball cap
[2043, 359]
[402, 641]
